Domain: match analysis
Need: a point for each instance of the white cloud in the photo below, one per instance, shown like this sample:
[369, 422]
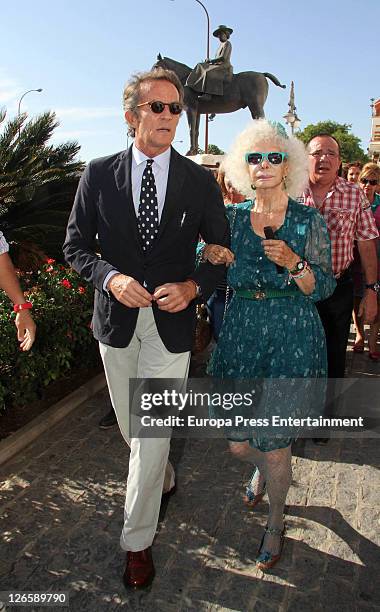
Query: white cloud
[9, 89]
[77, 134]
[7, 95]
[89, 112]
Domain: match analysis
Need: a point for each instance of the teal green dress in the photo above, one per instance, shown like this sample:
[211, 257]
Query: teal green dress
[279, 338]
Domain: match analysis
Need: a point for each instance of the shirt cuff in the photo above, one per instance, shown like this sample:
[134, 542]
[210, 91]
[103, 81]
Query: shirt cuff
[4, 247]
[107, 278]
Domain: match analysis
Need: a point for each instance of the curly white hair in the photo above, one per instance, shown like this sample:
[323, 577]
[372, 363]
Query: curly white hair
[259, 130]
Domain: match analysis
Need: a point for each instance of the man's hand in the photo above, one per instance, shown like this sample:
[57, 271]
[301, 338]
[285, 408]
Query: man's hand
[368, 259]
[129, 292]
[368, 306]
[26, 329]
[174, 297]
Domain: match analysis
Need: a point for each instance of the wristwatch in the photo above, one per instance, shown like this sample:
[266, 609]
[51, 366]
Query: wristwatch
[300, 265]
[374, 286]
[198, 290]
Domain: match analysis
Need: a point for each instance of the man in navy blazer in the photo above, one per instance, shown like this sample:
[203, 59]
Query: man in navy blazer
[146, 282]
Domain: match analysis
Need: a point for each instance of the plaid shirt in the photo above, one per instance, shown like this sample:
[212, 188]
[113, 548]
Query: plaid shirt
[348, 217]
[4, 248]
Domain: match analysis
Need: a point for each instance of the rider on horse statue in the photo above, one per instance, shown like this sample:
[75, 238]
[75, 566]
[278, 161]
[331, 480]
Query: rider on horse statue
[208, 77]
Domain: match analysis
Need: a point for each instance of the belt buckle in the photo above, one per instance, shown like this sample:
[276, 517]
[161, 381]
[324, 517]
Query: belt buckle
[259, 295]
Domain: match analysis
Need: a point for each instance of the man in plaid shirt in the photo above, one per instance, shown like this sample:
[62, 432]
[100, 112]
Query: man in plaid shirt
[348, 216]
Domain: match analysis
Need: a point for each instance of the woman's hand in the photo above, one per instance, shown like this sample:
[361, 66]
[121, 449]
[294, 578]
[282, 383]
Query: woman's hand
[26, 329]
[279, 252]
[217, 254]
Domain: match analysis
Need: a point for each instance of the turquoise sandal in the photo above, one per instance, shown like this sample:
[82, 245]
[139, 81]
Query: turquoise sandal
[265, 559]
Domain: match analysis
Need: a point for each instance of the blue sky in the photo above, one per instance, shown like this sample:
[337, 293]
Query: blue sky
[81, 53]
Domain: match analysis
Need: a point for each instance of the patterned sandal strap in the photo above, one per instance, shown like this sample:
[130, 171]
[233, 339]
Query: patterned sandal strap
[251, 483]
[253, 478]
[274, 531]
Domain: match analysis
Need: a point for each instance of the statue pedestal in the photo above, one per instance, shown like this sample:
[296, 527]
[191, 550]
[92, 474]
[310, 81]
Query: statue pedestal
[208, 161]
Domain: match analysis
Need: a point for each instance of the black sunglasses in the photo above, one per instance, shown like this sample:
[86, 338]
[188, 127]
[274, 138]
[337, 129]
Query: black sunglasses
[274, 158]
[157, 107]
[372, 182]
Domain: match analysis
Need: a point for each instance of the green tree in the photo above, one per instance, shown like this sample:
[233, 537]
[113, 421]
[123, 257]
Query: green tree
[37, 185]
[212, 150]
[350, 147]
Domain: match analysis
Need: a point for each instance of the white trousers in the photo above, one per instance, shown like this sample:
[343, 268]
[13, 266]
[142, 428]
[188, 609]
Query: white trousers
[144, 357]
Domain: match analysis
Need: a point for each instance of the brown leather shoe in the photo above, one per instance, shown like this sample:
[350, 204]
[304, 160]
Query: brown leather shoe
[139, 570]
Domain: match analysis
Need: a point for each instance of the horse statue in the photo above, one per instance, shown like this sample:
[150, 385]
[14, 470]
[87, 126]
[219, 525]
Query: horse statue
[246, 89]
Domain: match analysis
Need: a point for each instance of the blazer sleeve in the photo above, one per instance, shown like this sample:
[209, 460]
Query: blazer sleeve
[214, 229]
[79, 245]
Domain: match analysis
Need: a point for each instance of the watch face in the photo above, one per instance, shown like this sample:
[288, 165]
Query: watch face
[377, 287]
[300, 265]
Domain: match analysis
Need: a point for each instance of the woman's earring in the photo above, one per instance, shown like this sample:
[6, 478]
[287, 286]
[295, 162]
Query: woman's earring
[253, 187]
[284, 181]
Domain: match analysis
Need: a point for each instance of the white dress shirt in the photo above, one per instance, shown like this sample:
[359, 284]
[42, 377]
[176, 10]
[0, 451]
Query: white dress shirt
[4, 247]
[160, 169]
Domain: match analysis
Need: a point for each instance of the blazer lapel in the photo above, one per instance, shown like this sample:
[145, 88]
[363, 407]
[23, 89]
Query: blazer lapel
[122, 172]
[173, 201]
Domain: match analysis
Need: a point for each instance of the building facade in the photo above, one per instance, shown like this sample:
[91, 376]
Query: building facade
[374, 145]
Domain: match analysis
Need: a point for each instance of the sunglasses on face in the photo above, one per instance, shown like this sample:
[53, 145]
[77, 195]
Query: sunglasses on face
[275, 158]
[157, 107]
[365, 181]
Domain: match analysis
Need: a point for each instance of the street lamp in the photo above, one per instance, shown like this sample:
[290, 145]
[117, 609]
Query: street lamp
[23, 96]
[207, 56]
[19, 104]
[291, 116]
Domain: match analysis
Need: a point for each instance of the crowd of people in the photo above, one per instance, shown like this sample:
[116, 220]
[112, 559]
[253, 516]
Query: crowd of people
[279, 229]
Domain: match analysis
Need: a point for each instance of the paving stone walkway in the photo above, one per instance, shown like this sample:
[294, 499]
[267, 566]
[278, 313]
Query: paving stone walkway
[61, 510]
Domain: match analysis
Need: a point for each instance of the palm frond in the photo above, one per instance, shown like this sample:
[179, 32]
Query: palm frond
[37, 181]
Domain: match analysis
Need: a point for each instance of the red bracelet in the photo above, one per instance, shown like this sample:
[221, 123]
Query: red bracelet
[24, 306]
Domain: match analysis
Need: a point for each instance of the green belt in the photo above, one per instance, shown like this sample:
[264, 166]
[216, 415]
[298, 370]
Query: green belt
[263, 294]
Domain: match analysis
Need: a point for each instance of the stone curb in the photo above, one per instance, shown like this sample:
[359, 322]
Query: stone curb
[27, 434]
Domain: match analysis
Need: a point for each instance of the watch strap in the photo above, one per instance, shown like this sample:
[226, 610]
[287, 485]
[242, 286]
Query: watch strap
[198, 290]
[298, 268]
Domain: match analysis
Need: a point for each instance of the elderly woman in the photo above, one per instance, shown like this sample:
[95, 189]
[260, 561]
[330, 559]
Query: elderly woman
[271, 329]
[369, 181]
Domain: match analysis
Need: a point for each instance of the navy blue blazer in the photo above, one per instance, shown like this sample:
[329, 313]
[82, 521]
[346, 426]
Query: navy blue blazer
[104, 208]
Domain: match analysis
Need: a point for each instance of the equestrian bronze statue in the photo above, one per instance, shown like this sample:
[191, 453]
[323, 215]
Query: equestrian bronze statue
[208, 77]
[208, 90]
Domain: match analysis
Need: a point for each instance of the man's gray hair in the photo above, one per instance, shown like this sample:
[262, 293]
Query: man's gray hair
[132, 90]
